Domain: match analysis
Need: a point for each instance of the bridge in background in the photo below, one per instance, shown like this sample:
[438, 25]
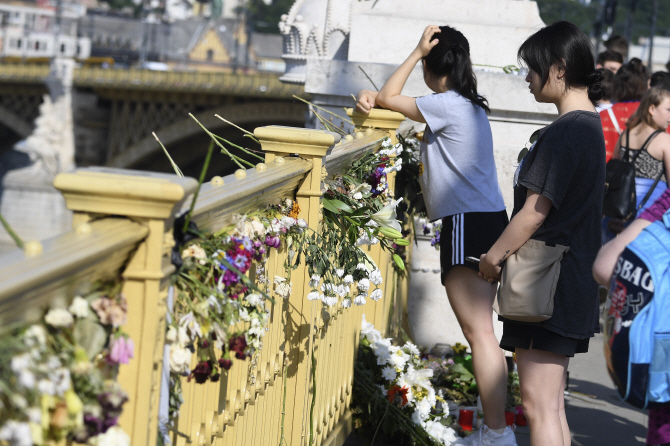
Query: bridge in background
[116, 110]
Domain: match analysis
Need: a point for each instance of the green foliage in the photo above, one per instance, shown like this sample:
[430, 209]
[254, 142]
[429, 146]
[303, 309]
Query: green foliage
[265, 18]
[585, 15]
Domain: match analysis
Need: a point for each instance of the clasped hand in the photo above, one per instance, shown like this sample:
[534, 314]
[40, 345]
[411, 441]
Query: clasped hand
[488, 270]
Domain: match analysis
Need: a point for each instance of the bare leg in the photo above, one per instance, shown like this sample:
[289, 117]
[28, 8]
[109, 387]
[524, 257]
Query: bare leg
[567, 439]
[541, 375]
[471, 298]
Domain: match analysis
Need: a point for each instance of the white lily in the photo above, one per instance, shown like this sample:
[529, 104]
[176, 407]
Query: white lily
[358, 191]
[387, 216]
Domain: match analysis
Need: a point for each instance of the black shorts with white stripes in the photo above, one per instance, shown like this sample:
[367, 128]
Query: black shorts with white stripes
[469, 234]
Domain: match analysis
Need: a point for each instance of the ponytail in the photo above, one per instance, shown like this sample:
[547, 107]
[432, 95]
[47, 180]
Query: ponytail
[451, 58]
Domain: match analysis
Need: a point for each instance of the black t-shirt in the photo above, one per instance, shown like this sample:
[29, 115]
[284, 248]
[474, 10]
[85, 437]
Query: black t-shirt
[567, 166]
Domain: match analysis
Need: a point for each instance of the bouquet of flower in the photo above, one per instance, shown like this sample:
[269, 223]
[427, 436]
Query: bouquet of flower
[454, 377]
[57, 376]
[403, 386]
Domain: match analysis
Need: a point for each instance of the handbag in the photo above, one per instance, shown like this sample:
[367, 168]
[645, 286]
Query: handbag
[528, 282]
[620, 200]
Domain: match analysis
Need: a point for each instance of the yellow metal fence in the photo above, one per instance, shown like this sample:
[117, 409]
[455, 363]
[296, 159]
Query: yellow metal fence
[122, 230]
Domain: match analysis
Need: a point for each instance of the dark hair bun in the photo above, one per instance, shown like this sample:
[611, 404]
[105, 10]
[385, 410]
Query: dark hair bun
[594, 85]
[637, 66]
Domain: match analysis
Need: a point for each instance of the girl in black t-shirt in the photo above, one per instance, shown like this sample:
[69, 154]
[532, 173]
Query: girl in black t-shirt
[557, 199]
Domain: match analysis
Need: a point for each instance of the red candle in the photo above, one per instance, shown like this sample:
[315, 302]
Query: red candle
[465, 419]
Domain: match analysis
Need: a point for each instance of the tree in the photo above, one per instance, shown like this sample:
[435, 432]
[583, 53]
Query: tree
[265, 17]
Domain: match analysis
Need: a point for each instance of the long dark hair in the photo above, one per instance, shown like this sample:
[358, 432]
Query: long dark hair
[451, 58]
[630, 81]
[565, 46]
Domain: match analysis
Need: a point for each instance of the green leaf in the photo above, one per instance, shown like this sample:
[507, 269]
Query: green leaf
[329, 206]
[91, 336]
[339, 205]
[398, 261]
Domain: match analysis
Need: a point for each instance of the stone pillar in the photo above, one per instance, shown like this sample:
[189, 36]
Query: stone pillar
[151, 199]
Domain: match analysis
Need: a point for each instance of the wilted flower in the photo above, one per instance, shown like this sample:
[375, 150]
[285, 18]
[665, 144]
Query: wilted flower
[79, 307]
[376, 277]
[314, 281]
[35, 336]
[357, 192]
[180, 359]
[364, 284]
[377, 294]
[196, 252]
[273, 241]
[282, 287]
[314, 295]
[111, 311]
[201, 372]
[59, 318]
[121, 351]
[16, 433]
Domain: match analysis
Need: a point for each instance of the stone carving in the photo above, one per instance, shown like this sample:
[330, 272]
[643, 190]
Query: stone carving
[316, 29]
[51, 144]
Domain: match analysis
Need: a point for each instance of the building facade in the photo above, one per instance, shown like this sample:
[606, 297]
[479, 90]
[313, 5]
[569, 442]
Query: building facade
[30, 31]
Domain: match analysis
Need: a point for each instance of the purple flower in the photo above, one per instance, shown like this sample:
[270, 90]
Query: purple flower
[240, 261]
[121, 350]
[273, 242]
[230, 278]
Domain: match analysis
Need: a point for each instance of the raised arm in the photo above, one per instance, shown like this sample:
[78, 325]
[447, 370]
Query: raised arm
[389, 96]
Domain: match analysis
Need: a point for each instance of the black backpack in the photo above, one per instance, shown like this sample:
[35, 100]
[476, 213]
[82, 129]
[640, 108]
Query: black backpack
[620, 200]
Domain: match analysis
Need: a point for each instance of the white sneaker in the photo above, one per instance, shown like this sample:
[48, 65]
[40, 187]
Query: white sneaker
[487, 437]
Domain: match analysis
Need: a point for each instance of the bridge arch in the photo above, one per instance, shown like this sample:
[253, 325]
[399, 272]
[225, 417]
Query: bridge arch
[248, 115]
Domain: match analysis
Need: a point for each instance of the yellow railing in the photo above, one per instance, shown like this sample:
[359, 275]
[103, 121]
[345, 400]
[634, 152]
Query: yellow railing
[251, 84]
[277, 390]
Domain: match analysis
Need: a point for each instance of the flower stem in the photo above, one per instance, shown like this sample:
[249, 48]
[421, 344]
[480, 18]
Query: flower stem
[203, 172]
[10, 231]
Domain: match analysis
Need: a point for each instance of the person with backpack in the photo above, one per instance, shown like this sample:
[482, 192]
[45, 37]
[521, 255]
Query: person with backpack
[646, 145]
[609, 257]
[460, 186]
[557, 205]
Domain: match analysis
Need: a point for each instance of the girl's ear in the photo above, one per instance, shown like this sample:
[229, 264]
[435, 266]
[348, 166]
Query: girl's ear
[652, 110]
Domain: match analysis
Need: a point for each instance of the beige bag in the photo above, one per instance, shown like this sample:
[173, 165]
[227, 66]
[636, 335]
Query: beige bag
[528, 282]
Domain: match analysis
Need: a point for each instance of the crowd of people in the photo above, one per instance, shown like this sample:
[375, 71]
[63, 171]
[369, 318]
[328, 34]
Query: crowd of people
[608, 107]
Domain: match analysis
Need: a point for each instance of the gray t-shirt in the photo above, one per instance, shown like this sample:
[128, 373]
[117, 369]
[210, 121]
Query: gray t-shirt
[459, 172]
[567, 165]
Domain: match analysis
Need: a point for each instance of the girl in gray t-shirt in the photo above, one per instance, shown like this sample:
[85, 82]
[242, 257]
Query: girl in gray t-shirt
[460, 186]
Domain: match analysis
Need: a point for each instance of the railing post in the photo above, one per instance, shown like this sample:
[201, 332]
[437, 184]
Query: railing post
[151, 199]
[311, 145]
[388, 121]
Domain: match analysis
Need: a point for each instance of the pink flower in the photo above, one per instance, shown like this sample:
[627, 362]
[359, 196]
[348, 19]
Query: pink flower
[121, 350]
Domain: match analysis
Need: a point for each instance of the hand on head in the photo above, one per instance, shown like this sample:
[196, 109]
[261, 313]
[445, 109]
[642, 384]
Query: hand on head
[426, 44]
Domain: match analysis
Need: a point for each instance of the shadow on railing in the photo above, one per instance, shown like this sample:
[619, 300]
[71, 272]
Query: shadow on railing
[123, 230]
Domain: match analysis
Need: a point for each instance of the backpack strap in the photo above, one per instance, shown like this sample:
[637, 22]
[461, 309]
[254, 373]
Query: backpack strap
[614, 120]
